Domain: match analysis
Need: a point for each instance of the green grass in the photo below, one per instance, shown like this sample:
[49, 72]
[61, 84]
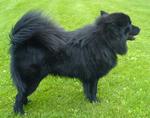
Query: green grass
[124, 92]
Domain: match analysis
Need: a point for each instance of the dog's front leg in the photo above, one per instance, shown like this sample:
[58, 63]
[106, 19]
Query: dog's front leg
[90, 90]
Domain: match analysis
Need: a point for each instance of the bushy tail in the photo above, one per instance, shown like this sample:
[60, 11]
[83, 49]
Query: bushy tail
[33, 28]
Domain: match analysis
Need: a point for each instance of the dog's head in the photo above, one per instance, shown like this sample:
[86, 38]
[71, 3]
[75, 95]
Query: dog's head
[117, 28]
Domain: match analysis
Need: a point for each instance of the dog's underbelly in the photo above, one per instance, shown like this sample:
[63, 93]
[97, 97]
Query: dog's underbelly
[80, 71]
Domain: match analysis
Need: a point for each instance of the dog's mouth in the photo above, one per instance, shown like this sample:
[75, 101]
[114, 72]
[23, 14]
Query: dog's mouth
[131, 37]
[135, 31]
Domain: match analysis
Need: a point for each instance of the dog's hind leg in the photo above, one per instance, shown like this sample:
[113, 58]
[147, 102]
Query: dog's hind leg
[20, 85]
[21, 97]
[27, 80]
[29, 91]
[18, 106]
[31, 87]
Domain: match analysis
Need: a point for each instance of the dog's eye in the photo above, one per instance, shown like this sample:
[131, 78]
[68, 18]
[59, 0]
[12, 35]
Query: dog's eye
[127, 30]
[119, 24]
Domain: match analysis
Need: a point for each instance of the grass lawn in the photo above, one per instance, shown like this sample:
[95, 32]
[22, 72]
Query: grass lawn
[124, 92]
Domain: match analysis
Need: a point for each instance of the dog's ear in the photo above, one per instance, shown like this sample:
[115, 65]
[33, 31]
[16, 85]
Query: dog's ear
[103, 13]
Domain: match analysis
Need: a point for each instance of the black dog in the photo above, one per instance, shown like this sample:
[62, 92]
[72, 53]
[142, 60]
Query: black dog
[39, 48]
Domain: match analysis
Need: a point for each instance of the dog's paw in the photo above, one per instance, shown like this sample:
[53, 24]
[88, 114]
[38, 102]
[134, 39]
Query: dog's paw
[96, 100]
[18, 110]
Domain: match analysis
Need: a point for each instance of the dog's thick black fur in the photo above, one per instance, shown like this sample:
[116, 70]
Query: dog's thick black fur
[39, 48]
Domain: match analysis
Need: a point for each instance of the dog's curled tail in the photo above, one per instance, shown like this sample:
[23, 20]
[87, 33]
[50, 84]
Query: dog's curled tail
[35, 28]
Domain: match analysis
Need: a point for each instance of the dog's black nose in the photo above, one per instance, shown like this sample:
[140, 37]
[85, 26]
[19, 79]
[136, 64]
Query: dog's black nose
[135, 30]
